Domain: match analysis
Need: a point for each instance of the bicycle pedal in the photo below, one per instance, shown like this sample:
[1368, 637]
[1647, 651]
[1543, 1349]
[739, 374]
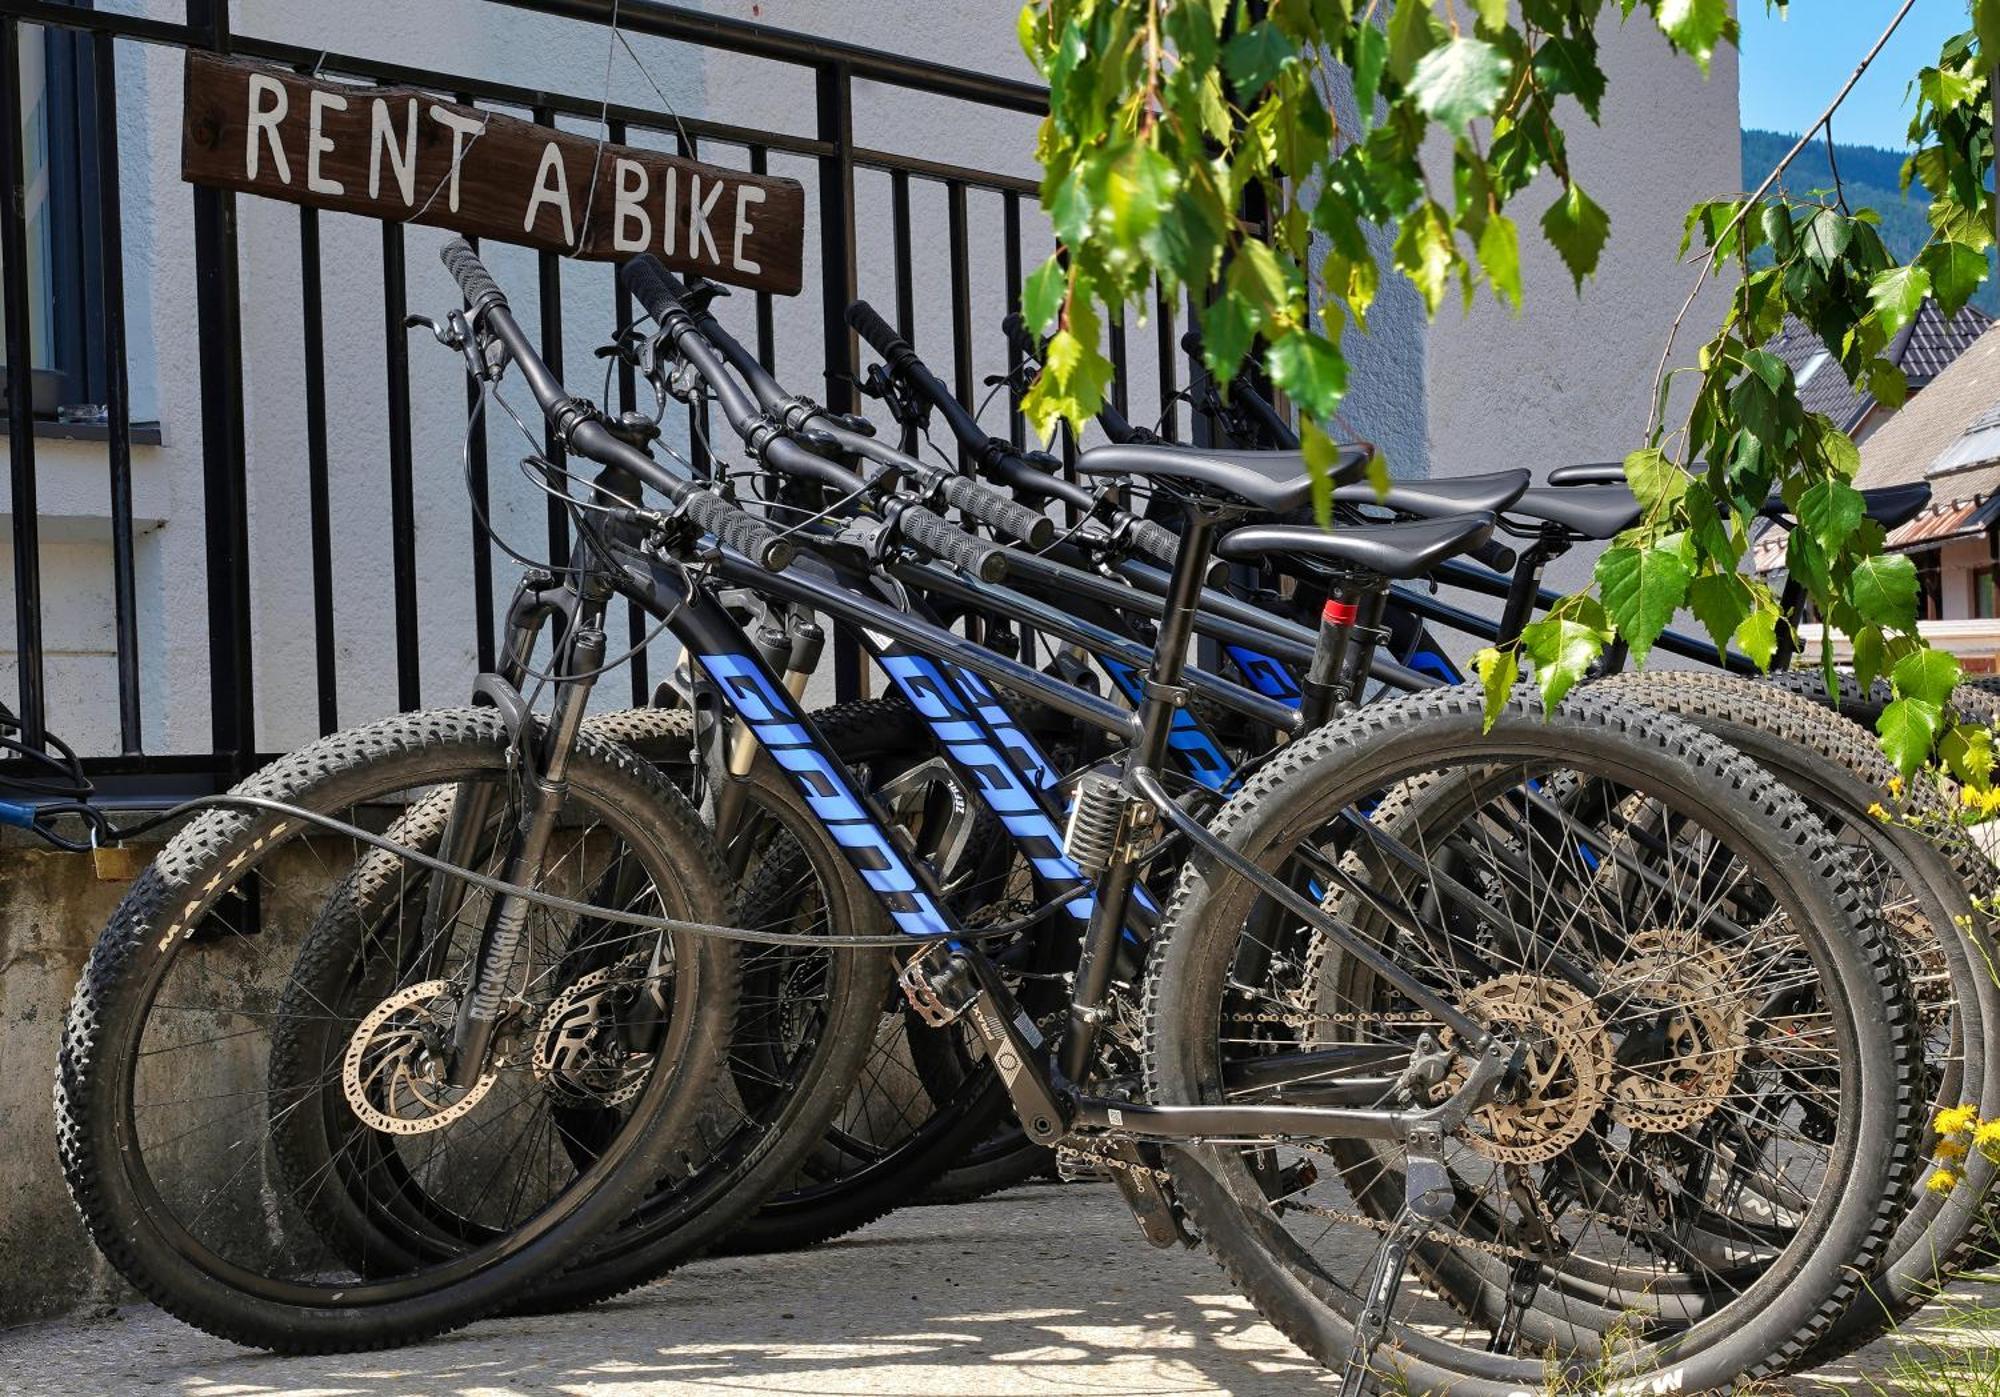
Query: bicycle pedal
[941, 998]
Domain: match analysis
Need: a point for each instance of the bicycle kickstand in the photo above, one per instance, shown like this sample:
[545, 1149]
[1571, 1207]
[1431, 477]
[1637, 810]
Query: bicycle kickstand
[1427, 1197]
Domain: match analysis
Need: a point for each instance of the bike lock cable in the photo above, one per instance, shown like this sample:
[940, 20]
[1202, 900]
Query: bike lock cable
[13, 812]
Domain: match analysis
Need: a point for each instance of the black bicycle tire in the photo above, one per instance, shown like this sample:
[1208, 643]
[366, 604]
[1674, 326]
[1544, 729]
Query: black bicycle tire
[1360, 753]
[157, 916]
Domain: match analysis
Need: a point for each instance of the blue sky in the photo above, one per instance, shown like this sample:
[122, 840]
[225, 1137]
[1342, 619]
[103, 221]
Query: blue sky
[1792, 67]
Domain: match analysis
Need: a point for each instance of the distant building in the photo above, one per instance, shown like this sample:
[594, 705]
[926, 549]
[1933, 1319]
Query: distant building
[1926, 347]
[1947, 437]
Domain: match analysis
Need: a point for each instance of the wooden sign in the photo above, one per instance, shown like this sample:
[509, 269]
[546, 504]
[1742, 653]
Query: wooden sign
[401, 154]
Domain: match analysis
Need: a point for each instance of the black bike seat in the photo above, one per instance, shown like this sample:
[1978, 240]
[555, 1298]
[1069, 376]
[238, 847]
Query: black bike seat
[1396, 551]
[1466, 494]
[1888, 505]
[1271, 480]
[1589, 511]
[1589, 473]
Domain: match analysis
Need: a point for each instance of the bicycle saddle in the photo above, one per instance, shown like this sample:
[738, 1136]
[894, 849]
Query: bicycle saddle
[1589, 511]
[1466, 494]
[1589, 473]
[1276, 481]
[1395, 551]
[1888, 505]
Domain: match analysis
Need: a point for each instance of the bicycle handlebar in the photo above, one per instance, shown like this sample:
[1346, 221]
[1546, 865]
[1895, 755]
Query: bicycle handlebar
[703, 342]
[582, 429]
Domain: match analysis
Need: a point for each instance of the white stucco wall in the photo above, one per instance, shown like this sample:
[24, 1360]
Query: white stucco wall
[1564, 381]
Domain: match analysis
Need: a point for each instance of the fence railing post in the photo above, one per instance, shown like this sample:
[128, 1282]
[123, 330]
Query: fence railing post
[20, 410]
[835, 101]
[225, 490]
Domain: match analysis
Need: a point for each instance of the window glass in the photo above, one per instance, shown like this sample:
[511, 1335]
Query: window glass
[35, 145]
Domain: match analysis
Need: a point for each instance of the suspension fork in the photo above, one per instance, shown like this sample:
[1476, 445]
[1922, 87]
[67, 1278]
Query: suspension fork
[537, 599]
[544, 784]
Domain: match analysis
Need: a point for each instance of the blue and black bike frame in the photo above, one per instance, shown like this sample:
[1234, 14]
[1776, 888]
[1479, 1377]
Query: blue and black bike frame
[934, 668]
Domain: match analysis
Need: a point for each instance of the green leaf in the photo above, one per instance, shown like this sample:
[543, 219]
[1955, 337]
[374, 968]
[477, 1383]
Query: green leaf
[1500, 255]
[1986, 24]
[1412, 34]
[1757, 636]
[1867, 641]
[1956, 270]
[1498, 671]
[1563, 650]
[1228, 325]
[1825, 236]
[1042, 294]
[1695, 26]
[1655, 479]
[1459, 83]
[1256, 56]
[1908, 727]
[1926, 674]
[1642, 589]
[1884, 590]
[1321, 452]
[1577, 228]
[1967, 751]
[1309, 369]
[1721, 602]
[1569, 65]
[1425, 253]
[1897, 294]
[1492, 13]
[1371, 56]
[1831, 509]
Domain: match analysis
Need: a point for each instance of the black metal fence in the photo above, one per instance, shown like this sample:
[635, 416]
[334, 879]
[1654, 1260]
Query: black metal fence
[92, 168]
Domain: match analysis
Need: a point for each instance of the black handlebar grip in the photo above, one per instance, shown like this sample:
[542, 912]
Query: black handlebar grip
[655, 289]
[881, 335]
[955, 546]
[1496, 555]
[990, 507]
[482, 293]
[747, 535]
[1020, 340]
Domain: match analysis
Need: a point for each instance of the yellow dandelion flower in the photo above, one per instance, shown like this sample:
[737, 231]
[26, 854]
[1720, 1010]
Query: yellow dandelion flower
[1896, 786]
[1967, 796]
[1950, 1151]
[1987, 1138]
[1990, 801]
[1943, 1181]
[1877, 811]
[1955, 1120]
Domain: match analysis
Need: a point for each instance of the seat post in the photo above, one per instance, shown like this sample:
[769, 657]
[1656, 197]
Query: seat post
[1163, 694]
[1348, 624]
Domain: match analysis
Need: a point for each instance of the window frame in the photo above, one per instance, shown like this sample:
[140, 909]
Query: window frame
[75, 331]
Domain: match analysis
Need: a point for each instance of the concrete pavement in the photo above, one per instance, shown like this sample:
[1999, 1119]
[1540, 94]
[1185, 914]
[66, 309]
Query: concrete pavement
[1044, 1290]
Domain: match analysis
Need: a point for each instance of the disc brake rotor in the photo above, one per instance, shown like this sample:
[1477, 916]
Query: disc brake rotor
[1567, 1070]
[581, 1056]
[394, 1071]
[1685, 983]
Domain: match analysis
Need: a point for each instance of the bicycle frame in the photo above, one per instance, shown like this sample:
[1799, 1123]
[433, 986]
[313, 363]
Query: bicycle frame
[932, 667]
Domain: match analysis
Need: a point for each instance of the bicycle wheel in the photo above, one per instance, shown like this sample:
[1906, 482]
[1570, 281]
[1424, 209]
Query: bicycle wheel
[1713, 1132]
[1976, 699]
[1935, 901]
[192, 1065]
[802, 1019]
